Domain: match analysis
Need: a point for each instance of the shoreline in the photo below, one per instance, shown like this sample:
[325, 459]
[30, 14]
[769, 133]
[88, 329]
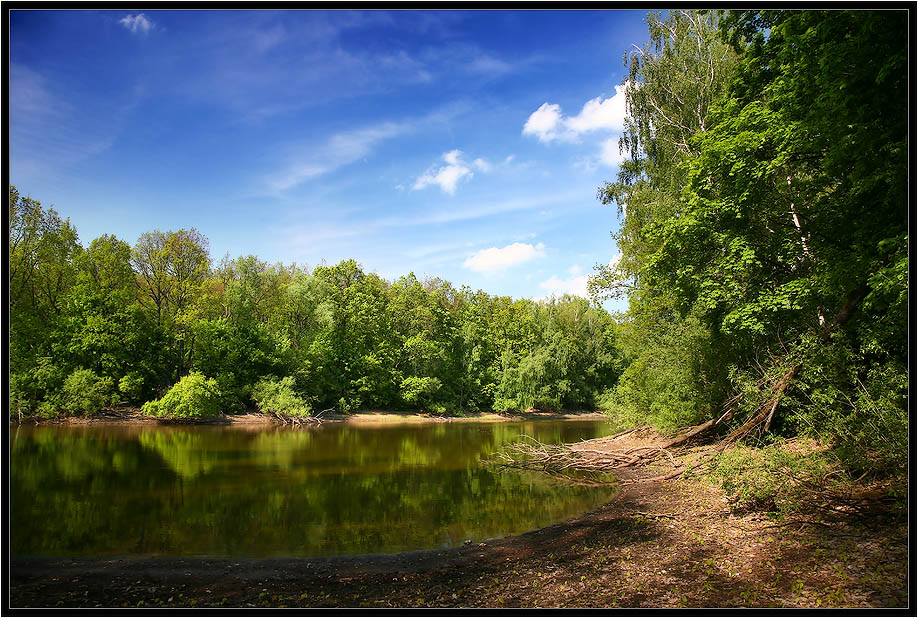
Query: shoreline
[133, 416]
[655, 544]
[672, 543]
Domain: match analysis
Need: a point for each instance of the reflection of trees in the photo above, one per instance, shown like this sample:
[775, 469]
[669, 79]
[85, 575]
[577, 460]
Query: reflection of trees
[186, 452]
[47, 457]
[280, 448]
[61, 491]
[338, 489]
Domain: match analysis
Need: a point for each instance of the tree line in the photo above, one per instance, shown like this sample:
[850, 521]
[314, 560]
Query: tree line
[159, 324]
[764, 239]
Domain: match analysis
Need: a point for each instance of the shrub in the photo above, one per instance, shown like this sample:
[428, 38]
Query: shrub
[779, 478]
[194, 396]
[420, 392]
[131, 386]
[278, 397]
[22, 403]
[86, 393]
[36, 391]
[857, 403]
[347, 405]
[232, 393]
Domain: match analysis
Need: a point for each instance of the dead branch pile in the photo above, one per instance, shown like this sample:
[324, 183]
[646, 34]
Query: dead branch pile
[297, 421]
[562, 459]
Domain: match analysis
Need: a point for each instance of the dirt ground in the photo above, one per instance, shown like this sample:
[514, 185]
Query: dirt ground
[673, 543]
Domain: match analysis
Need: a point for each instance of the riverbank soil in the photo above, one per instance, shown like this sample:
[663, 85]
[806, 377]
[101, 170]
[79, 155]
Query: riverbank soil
[132, 416]
[673, 543]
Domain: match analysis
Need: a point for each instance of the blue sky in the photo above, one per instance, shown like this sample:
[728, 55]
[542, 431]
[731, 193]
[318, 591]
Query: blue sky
[464, 145]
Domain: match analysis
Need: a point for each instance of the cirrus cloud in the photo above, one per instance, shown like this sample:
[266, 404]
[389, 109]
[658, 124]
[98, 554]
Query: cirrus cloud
[138, 23]
[339, 150]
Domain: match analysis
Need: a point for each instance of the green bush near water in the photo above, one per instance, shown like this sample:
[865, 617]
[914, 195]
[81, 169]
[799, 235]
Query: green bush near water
[131, 386]
[279, 397]
[194, 396]
[86, 393]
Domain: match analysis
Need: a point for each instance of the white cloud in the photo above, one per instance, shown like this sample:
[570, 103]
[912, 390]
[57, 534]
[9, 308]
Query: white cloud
[137, 23]
[545, 123]
[297, 173]
[449, 175]
[600, 114]
[575, 269]
[575, 286]
[357, 144]
[493, 259]
[452, 157]
[609, 153]
[548, 122]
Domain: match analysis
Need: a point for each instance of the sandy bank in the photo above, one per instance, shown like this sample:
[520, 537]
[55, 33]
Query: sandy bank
[132, 416]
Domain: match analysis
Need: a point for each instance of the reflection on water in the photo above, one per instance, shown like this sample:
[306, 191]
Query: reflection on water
[327, 490]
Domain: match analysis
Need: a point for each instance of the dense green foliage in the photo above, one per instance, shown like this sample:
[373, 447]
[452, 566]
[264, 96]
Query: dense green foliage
[672, 376]
[159, 323]
[195, 395]
[279, 397]
[86, 393]
[764, 243]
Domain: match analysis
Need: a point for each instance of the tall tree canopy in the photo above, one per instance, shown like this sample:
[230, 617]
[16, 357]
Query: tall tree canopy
[776, 222]
[158, 322]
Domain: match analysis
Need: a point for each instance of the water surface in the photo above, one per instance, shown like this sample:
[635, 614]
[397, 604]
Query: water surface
[273, 491]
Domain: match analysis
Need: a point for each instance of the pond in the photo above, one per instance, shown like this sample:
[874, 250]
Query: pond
[108, 490]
